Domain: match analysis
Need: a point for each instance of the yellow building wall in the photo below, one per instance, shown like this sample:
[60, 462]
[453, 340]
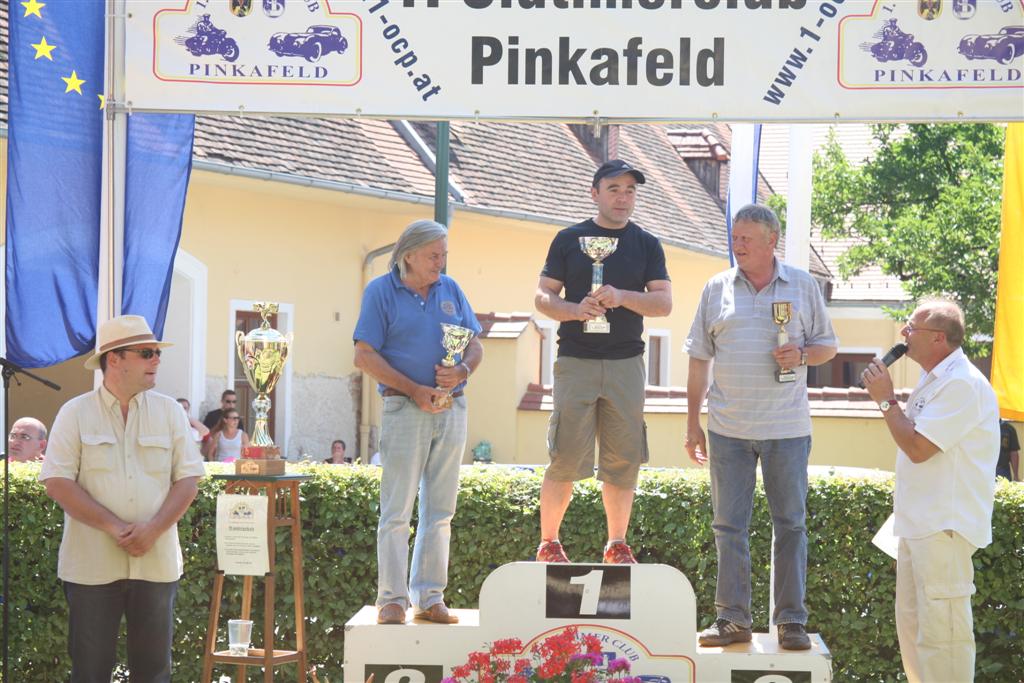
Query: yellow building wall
[494, 393]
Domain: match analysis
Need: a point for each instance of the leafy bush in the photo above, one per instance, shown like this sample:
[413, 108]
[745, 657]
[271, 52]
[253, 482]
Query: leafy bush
[850, 583]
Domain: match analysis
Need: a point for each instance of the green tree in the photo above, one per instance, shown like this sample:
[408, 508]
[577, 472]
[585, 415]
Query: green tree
[925, 209]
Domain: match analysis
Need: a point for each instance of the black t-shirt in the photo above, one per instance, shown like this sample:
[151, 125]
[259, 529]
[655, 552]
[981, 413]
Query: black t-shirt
[638, 259]
[1007, 442]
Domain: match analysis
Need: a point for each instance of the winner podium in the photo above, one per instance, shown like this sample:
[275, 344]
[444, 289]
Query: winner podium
[645, 613]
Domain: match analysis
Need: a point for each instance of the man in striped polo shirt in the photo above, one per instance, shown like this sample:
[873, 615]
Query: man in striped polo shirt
[753, 415]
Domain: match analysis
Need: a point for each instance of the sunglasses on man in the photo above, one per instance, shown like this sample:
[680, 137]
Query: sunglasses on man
[145, 354]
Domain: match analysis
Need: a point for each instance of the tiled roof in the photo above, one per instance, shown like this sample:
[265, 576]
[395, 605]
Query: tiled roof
[362, 152]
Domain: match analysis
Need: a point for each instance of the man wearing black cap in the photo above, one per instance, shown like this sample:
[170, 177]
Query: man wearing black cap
[600, 375]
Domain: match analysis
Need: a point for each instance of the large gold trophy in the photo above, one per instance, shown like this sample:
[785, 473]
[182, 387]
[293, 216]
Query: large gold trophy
[454, 339]
[782, 313]
[598, 248]
[263, 353]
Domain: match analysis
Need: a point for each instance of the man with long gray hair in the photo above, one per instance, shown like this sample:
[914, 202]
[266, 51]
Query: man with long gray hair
[398, 342]
[757, 410]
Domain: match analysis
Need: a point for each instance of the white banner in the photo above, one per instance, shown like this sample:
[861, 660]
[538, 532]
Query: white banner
[619, 60]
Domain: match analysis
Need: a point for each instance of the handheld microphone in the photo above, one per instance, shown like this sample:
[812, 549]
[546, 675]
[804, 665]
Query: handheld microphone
[891, 356]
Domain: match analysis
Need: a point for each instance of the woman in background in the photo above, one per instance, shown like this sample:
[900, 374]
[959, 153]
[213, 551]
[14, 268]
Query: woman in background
[226, 440]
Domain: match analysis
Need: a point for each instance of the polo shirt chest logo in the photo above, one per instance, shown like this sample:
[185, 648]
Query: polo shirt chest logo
[448, 307]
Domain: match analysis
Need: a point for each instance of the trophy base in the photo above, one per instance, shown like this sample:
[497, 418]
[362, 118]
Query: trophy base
[597, 327]
[259, 468]
[785, 376]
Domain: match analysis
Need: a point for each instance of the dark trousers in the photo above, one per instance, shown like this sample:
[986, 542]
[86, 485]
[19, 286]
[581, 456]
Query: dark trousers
[95, 619]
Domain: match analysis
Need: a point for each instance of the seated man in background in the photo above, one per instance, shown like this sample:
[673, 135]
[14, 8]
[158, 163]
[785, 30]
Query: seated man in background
[27, 440]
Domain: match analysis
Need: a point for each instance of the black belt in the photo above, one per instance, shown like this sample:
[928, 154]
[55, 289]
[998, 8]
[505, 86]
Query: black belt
[395, 392]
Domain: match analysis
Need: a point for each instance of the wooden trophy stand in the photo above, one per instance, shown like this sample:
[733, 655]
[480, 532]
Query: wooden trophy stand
[283, 511]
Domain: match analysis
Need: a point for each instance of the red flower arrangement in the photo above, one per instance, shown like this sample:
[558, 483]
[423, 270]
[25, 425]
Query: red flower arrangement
[566, 657]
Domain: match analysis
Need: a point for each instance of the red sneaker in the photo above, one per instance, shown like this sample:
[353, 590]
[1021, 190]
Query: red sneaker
[551, 551]
[618, 553]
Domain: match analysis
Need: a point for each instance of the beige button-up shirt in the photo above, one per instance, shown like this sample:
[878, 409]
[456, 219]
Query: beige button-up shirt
[128, 467]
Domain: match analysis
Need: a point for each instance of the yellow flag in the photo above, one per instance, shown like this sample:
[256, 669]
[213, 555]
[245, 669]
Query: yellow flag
[1008, 346]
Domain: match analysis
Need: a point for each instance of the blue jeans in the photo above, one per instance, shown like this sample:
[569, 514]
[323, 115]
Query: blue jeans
[94, 621]
[420, 452]
[733, 472]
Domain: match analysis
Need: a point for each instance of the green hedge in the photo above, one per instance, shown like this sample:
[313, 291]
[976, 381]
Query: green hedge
[850, 583]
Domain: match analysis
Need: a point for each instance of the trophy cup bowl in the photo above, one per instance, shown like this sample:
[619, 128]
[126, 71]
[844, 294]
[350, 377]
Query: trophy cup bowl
[598, 249]
[782, 313]
[454, 339]
[263, 353]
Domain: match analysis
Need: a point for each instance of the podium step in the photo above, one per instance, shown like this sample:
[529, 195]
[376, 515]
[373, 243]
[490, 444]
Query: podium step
[367, 616]
[767, 644]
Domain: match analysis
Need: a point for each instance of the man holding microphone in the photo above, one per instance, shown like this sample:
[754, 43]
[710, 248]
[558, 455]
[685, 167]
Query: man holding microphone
[947, 442]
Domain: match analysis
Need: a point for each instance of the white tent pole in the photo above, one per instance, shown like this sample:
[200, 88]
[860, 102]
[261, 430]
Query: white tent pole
[115, 139]
[798, 202]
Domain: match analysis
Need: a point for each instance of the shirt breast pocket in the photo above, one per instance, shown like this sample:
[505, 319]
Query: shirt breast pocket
[155, 454]
[98, 452]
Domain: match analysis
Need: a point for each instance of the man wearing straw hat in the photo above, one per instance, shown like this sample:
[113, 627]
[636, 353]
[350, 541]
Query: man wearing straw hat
[122, 464]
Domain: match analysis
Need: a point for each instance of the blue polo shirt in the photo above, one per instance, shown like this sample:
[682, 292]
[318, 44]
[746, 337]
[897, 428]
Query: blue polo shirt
[406, 329]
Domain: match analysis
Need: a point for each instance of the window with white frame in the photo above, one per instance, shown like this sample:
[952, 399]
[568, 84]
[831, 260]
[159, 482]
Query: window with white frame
[657, 355]
[548, 333]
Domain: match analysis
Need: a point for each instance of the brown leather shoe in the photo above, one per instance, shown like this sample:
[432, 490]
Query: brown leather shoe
[438, 614]
[391, 613]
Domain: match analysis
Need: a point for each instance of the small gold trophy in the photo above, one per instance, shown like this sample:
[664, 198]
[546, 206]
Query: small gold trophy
[454, 339]
[598, 248]
[782, 313]
[263, 353]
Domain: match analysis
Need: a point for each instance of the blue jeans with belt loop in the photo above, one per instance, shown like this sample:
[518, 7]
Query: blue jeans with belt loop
[420, 453]
[733, 473]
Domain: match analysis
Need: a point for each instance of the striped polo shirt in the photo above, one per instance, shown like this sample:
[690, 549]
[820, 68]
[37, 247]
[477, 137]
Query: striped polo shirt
[733, 325]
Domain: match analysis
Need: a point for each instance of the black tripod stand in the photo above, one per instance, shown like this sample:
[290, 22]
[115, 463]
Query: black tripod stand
[8, 371]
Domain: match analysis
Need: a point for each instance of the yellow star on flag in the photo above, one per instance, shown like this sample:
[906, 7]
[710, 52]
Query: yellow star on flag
[44, 49]
[33, 7]
[74, 83]
[103, 100]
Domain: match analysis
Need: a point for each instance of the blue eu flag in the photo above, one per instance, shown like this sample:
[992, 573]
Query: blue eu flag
[55, 120]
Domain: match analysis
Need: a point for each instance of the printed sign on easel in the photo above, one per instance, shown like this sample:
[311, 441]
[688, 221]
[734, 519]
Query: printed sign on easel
[242, 535]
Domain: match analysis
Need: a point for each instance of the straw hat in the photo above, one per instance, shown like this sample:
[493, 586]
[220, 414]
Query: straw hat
[119, 332]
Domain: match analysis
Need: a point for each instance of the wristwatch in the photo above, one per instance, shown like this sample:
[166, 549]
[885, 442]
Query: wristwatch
[888, 403]
[803, 357]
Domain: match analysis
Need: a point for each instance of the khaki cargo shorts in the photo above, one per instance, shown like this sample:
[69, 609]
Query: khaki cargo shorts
[600, 400]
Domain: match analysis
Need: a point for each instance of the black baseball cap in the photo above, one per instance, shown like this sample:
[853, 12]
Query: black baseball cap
[616, 167]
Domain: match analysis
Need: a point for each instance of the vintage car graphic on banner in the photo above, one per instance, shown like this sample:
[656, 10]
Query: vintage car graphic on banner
[297, 43]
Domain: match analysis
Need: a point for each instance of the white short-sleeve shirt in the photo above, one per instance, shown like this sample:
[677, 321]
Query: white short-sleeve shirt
[955, 408]
[128, 467]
